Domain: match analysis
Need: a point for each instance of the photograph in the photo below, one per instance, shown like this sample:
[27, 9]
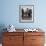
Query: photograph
[26, 13]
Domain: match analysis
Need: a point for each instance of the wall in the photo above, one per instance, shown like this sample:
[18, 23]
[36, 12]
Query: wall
[9, 13]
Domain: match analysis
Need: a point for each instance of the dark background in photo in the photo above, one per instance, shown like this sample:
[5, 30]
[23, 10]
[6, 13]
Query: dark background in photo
[27, 14]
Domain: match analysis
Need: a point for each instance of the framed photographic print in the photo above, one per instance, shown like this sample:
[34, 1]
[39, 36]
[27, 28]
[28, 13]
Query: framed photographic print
[26, 13]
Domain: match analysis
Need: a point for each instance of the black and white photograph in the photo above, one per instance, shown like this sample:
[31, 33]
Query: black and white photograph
[26, 13]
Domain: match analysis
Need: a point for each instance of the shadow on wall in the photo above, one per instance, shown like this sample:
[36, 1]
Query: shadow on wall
[2, 26]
